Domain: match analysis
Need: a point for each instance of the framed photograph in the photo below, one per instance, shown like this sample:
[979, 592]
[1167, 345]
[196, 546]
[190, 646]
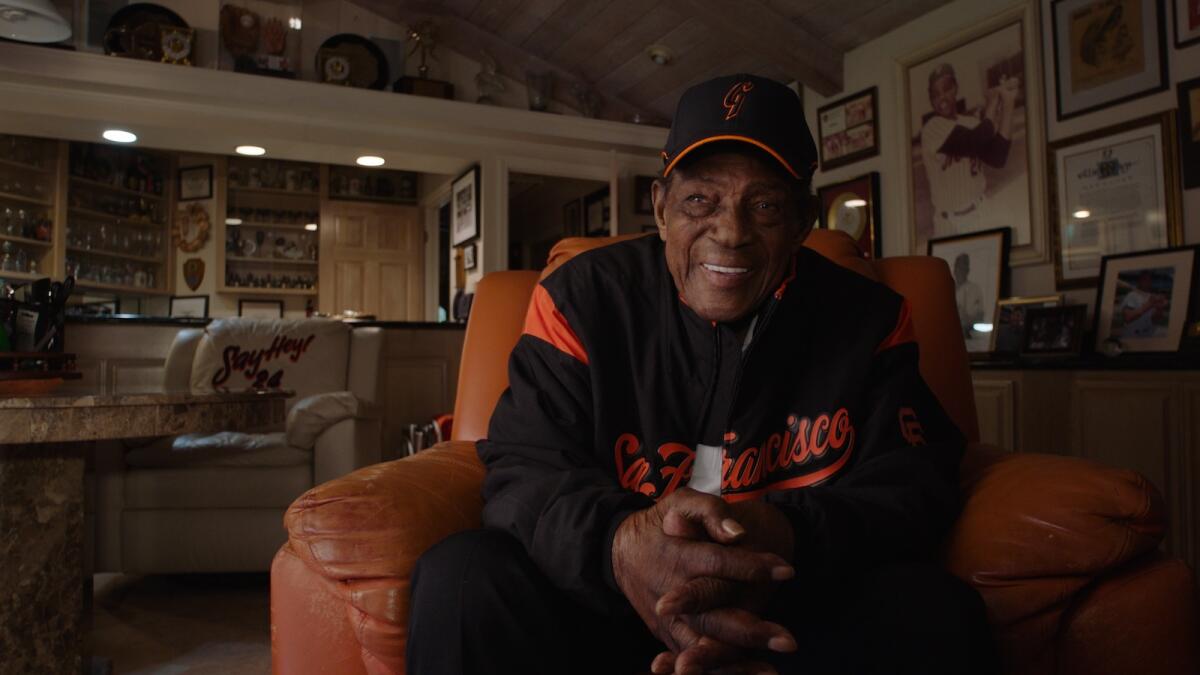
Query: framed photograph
[973, 110]
[1112, 191]
[469, 253]
[1187, 22]
[1008, 327]
[260, 309]
[1189, 128]
[1106, 52]
[191, 306]
[464, 217]
[849, 129]
[853, 207]
[1054, 331]
[196, 182]
[572, 215]
[597, 213]
[979, 262]
[643, 197]
[1145, 300]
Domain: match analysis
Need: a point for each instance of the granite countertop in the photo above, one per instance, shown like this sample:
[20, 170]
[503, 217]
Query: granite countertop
[192, 322]
[1143, 361]
[89, 400]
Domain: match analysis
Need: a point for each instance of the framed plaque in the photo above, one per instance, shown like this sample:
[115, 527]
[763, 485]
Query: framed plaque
[196, 182]
[1106, 52]
[1113, 191]
[853, 207]
[849, 129]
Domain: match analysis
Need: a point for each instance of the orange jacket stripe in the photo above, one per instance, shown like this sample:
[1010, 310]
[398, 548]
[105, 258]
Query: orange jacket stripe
[544, 321]
[797, 482]
[730, 137]
[903, 333]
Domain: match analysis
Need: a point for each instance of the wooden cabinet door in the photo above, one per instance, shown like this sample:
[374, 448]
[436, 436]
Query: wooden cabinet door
[372, 260]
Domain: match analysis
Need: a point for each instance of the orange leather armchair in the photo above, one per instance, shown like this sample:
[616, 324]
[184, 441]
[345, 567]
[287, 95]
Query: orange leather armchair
[1063, 551]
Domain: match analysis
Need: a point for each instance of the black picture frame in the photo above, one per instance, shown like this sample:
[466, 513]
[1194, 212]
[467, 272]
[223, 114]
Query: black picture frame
[950, 249]
[643, 200]
[597, 213]
[1189, 337]
[185, 303]
[470, 257]
[1180, 8]
[1164, 80]
[836, 109]
[257, 304]
[1189, 131]
[194, 182]
[1069, 318]
[464, 218]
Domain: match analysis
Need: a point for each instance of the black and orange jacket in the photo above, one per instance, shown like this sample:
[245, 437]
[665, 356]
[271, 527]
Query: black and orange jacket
[615, 381]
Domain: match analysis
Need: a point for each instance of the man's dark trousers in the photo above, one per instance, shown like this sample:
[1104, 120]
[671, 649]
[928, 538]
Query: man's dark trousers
[480, 605]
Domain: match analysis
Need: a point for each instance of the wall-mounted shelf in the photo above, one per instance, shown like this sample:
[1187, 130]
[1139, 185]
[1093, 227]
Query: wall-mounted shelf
[255, 290]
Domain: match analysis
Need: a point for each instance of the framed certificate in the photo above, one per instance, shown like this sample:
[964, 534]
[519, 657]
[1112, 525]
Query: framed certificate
[853, 207]
[1113, 191]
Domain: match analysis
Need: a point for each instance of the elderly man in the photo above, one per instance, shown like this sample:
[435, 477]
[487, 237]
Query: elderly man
[716, 453]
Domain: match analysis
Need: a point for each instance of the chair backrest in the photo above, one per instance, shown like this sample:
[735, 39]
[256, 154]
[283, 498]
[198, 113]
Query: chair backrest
[498, 317]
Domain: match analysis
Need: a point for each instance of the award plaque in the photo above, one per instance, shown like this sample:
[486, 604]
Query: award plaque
[853, 207]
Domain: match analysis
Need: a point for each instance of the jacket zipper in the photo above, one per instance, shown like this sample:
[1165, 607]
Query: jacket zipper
[759, 328]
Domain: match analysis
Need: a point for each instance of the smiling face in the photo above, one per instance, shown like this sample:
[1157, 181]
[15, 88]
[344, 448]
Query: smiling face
[731, 223]
[943, 96]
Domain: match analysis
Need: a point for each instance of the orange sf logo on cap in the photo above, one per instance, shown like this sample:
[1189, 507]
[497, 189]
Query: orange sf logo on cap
[734, 99]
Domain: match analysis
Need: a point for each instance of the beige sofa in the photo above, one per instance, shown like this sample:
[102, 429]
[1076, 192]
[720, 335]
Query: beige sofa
[215, 503]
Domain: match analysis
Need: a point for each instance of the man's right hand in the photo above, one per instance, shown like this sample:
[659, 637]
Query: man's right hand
[648, 563]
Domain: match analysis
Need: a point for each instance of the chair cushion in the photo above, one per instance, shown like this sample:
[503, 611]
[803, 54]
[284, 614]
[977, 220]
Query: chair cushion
[307, 356]
[310, 417]
[226, 448]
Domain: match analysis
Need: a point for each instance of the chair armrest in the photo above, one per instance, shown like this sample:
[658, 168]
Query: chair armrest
[312, 415]
[1035, 529]
[377, 521]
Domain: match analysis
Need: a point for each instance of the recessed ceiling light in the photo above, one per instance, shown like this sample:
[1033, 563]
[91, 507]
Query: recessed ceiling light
[369, 160]
[856, 203]
[311, 227]
[119, 136]
[1082, 213]
[233, 221]
[252, 150]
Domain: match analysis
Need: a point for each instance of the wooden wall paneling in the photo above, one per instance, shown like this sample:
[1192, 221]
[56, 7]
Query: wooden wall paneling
[1133, 422]
[377, 253]
[349, 288]
[421, 379]
[995, 404]
[620, 48]
[395, 293]
[523, 23]
[1043, 406]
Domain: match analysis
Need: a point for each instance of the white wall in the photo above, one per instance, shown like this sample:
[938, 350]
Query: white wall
[875, 64]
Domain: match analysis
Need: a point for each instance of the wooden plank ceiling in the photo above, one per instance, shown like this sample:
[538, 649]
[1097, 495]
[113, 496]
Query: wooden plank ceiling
[602, 43]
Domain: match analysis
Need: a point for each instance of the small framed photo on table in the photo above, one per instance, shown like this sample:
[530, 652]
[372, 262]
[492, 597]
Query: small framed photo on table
[853, 207]
[260, 309]
[464, 214]
[849, 129]
[1054, 331]
[1008, 328]
[189, 306]
[1146, 300]
[196, 182]
[1106, 52]
[979, 263]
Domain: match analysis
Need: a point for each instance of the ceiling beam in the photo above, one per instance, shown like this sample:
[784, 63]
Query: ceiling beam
[758, 29]
[466, 38]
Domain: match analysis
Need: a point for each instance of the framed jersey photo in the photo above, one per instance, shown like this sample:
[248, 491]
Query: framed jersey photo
[972, 106]
[853, 207]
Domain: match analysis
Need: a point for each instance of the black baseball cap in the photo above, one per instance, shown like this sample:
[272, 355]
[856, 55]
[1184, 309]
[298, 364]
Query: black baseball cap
[747, 109]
